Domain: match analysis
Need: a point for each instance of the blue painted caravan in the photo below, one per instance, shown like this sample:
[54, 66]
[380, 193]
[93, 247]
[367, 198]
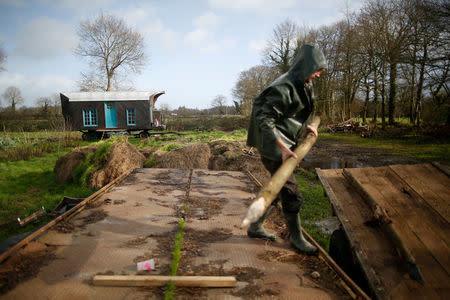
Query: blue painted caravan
[100, 114]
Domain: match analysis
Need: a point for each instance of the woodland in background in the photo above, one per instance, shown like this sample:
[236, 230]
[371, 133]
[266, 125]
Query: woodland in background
[389, 60]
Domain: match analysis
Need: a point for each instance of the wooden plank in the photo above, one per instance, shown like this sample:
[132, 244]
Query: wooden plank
[432, 236]
[387, 195]
[431, 184]
[158, 280]
[352, 217]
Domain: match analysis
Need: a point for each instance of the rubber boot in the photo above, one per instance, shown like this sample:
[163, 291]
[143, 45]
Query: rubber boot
[297, 240]
[256, 230]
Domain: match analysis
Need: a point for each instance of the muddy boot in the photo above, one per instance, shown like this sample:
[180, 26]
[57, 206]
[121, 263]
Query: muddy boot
[256, 230]
[297, 240]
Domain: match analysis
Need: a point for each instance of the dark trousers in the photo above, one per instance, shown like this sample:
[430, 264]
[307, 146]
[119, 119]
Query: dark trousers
[290, 196]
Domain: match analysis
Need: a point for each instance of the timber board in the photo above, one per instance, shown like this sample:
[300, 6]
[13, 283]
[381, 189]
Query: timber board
[421, 224]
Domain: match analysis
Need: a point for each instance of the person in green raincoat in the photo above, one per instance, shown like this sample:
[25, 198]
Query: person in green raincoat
[278, 120]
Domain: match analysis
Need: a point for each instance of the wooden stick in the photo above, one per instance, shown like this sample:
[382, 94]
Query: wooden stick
[270, 191]
[388, 226]
[157, 280]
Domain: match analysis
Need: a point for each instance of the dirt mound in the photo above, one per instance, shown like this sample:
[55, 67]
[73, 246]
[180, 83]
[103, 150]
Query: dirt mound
[191, 156]
[123, 157]
[236, 156]
[66, 165]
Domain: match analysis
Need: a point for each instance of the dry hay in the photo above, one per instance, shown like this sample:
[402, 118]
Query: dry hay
[66, 165]
[123, 157]
[191, 156]
[235, 156]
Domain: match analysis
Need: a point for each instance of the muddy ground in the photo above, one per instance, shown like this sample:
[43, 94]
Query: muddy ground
[229, 156]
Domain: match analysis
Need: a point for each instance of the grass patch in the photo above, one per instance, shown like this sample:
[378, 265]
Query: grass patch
[26, 186]
[176, 256]
[93, 162]
[315, 206]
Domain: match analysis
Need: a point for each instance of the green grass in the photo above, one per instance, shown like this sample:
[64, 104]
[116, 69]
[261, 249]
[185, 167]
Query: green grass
[176, 256]
[425, 148]
[27, 185]
[315, 206]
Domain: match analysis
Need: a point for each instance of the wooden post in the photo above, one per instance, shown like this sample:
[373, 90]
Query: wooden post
[157, 280]
[270, 191]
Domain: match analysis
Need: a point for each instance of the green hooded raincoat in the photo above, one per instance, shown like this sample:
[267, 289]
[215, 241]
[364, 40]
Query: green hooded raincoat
[281, 111]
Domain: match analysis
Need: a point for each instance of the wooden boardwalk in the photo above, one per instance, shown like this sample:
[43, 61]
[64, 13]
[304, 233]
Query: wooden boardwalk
[417, 199]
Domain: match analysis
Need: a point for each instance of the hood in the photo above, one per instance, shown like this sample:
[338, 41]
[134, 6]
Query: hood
[308, 60]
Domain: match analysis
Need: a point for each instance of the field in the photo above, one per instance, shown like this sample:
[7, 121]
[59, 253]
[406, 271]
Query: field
[27, 180]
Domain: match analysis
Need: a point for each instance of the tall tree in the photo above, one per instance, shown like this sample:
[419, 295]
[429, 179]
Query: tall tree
[110, 46]
[251, 82]
[219, 103]
[282, 46]
[13, 96]
[44, 103]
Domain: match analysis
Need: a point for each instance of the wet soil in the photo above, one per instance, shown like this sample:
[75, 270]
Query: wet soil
[24, 266]
[333, 155]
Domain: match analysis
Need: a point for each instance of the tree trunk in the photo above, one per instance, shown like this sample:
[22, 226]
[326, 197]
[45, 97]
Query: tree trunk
[366, 103]
[418, 106]
[383, 97]
[375, 97]
[392, 91]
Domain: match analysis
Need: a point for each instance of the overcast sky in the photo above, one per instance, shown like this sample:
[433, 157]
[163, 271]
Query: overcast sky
[196, 48]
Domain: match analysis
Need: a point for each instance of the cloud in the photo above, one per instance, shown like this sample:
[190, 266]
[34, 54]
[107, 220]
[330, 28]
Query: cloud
[199, 35]
[78, 5]
[46, 38]
[258, 6]
[32, 88]
[208, 19]
[15, 3]
[145, 20]
[256, 46]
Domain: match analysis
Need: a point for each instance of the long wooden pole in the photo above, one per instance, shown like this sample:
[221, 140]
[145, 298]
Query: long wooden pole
[270, 191]
[381, 216]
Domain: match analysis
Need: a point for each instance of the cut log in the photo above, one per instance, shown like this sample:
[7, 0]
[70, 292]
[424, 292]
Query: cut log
[157, 280]
[270, 191]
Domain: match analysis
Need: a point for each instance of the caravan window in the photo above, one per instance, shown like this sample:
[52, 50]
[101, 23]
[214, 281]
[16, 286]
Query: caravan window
[131, 117]
[90, 117]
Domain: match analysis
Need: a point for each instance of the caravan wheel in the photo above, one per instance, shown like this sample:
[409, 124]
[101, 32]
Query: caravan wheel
[143, 135]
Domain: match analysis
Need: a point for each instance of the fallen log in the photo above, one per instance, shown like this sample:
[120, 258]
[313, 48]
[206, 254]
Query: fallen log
[270, 191]
[158, 280]
[382, 218]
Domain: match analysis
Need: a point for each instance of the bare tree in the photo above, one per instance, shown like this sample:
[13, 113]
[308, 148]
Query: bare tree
[250, 84]
[2, 59]
[219, 103]
[110, 46]
[44, 103]
[282, 46]
[13, 96]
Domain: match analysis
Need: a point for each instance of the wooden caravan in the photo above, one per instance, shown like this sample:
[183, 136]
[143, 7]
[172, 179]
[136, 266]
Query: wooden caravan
[97, 113]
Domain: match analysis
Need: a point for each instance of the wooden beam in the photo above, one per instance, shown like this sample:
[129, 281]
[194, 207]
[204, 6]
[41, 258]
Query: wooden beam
[157, 280]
